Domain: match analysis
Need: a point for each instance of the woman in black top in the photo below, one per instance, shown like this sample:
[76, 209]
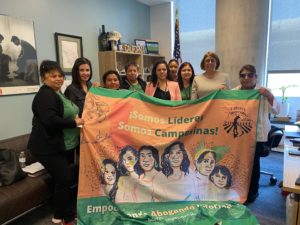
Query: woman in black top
[46, 141]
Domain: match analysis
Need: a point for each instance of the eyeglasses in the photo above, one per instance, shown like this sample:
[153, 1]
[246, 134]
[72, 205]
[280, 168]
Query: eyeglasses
[249, 75]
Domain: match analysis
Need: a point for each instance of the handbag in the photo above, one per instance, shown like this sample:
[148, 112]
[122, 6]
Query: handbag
[10, 169]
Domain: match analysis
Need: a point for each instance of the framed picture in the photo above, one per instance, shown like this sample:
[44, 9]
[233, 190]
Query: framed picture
[68, 49]
[152, 47]
[141, 42]
[18, 58]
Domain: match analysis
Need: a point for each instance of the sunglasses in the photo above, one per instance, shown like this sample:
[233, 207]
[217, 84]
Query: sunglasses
[249, 75]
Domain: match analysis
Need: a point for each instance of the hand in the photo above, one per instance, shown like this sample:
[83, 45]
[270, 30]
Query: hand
[266, 93]
[96, 84]
[223, 87]
[79, 121]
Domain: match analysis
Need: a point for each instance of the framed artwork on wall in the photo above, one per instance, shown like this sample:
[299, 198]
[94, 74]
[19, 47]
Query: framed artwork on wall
[152, 47]
[141, 42]
[18, 58]
[68, 49]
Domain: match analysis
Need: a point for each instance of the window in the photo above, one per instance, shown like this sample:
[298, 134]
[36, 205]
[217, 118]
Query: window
[197, 30]
[276, 80]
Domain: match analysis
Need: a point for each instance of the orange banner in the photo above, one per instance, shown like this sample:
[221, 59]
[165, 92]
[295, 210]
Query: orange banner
[136, 148]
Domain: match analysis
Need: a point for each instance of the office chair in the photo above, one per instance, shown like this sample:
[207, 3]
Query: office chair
[274, 138]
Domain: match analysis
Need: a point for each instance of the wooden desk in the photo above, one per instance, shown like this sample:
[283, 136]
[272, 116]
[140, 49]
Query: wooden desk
[291, 170]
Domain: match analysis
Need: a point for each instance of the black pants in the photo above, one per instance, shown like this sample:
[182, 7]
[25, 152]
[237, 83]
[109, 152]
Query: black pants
[66, 179]
[254, 183]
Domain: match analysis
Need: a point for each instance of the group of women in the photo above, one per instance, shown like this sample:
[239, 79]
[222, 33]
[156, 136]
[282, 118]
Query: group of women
[144, 175]
[57, 116]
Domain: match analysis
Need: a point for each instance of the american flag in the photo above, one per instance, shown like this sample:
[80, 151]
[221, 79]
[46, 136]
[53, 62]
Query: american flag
[176, 52]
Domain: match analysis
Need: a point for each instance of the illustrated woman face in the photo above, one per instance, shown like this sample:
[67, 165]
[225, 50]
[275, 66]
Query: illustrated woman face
[109, 174]
[84, 72]
[146, 160]
[129, 161]
[176, 156]
[186, 73]
[219, 179]
[161, 71]
[207, 164]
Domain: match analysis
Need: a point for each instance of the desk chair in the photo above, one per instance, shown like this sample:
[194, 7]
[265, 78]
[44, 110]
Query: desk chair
[274, 138]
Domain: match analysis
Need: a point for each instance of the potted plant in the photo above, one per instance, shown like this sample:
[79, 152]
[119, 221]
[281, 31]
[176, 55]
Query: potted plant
[284, 104]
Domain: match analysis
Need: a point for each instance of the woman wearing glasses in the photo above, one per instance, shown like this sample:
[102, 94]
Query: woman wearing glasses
[212, 79]
[248, 80]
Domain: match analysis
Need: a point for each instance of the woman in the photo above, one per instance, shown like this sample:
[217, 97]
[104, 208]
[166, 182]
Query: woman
[175, 165]
[109, 177]
[211, 80]
[205, 164]
[46, 140]
[173, 67]
[128, 180]
[149, 174]
[132, 81]
[222, 181]
[81, 82]
[111, 80]
[161, 85]
[186, 76]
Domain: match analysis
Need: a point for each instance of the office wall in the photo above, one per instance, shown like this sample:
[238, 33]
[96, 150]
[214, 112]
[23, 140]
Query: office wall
[75, 17]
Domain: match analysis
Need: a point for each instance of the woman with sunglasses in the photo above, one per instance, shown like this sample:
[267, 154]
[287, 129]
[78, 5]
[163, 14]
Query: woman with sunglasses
[248, 80]
[212, 79]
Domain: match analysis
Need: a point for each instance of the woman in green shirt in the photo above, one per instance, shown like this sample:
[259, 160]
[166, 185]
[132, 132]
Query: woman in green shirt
[186, 76]
[71, 135]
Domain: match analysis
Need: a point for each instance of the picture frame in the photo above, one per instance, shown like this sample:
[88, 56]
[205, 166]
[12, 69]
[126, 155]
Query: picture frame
[141, 42]
[19, 65]
[152, 47]
[68, 49]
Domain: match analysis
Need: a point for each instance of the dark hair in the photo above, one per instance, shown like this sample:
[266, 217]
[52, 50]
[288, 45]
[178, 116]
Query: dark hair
[249, 68]
[173, 60]
[114, 189]
[180, 81]
[75, 70]
[14, 38]
[122, 169]
[131, 64]
[165, 164]
[1, 37]
[105, 75]
[155, 155]
[153, 73]
[48, 66]
[224, 170]
[213, 55]
[203, 154]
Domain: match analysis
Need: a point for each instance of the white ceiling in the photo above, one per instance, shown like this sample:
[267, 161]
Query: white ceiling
[153, 2]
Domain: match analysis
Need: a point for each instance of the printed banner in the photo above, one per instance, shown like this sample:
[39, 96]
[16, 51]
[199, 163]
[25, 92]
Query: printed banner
[146, 160]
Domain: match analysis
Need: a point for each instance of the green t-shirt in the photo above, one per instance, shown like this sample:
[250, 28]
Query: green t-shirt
[136, 87]
[186, 93]
[71, 135]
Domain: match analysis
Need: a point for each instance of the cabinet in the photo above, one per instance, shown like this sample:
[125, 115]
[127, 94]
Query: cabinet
[117, 60]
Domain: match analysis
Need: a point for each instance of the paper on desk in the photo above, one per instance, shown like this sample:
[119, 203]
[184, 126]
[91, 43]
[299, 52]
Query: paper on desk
[33, 168]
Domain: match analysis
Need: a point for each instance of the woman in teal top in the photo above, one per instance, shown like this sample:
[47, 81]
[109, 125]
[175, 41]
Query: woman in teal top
[71, 135]
[186, 76]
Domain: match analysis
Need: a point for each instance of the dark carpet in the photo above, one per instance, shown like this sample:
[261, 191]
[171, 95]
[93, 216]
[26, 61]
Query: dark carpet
[269, 207]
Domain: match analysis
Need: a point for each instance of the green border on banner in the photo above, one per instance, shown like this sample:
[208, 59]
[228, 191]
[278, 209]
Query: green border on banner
[220, 94]
[100, 210]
